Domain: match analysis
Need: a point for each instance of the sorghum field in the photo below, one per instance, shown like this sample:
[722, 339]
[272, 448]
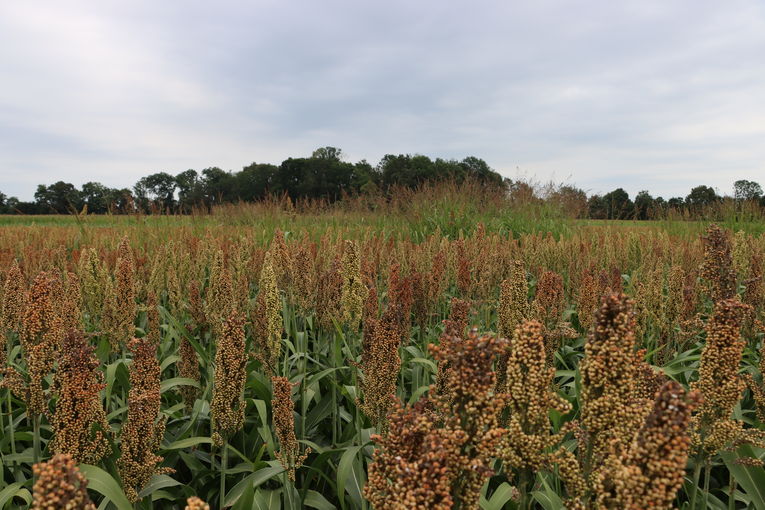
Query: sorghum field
[324, 361]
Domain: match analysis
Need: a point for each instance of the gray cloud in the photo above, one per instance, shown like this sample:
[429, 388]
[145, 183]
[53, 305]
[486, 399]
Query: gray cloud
[644, 95]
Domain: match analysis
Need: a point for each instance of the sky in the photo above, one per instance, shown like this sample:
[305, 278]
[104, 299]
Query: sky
[652, 95]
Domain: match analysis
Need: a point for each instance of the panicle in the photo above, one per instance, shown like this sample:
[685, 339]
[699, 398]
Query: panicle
[80, 428]
[610, 410]
[194, 503]
[717, 270]
[227, 407]
[284, 424]
[267, 320]
[719, 383]
[14, 299]
[60, 485]
[652, 470]
[530, 399]
[219, 302]
[353, 291]
[142, 432]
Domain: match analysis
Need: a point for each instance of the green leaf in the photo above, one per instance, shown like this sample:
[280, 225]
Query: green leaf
[426, 362]
[158, 482]
[254, 480]
[267, 500]
[168, 384]
[188, 443]
[750, 478]
[15, 490]
[346, 470]
[246, 502]
[548, 498]
[103, 483]
[315, 500]
[501, 496]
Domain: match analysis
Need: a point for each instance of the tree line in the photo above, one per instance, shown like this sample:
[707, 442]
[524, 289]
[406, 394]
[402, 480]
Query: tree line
[326, 176]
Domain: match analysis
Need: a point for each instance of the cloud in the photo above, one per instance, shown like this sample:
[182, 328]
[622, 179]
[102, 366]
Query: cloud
[644, 95]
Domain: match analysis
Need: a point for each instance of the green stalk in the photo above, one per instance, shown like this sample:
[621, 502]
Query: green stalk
[334, 392]
[36, 438]
[288, 503]
[10, 424]
[696, 475]
[732, 493]
[523, 486]
[707, 475]
[223, 462]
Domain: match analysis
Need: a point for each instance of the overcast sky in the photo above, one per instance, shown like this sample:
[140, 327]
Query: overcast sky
[657, 95]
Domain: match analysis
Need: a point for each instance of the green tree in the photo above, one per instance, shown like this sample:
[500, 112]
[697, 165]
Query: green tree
[644, 205]
[158, 189]
[701, 197]
[618, 204]
[747, 190]
[59, 198]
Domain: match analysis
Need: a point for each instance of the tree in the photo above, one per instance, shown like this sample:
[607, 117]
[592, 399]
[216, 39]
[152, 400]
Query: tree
[596, 208]
[618, 204]
[59, 198]
[329, 153]
[644, 204]
[189, 189]
[218, 186]
[570, 199]
[701, 197]
[746, 190]
[158, 188]
[96, 196]
[675, 203]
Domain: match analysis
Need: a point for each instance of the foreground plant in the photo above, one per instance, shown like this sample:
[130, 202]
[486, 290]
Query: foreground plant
[438, 453]
[713, 428]
[144, 429]
[529, 446]
[60, 486]
[652, 469]
[80, 428]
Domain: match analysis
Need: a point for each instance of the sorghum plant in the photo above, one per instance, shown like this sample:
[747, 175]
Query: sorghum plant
[267, 320]
[80, 428]
[719, 383]
[60, 485]
[717, 270]
[512, 310]
[14, 299]
[284, 424]
[652, 469]
[227, 407]
[142, 432]
[611, 409]
[353, 291]
[527, 447]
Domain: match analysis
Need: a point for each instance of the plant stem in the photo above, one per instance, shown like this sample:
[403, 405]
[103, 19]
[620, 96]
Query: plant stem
[707, 475]
[288, 503]
[11, 428]
[36, 438]
[732, 493]
[696, 474]
[334, 392]
[223, 462]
